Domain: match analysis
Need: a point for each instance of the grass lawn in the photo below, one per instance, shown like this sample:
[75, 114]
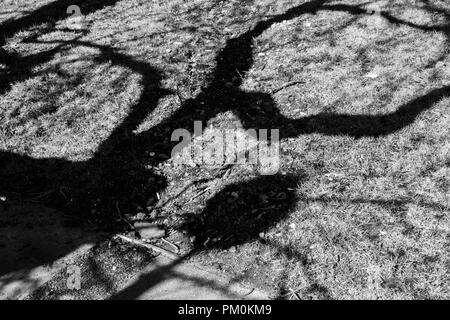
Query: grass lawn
[360, 91]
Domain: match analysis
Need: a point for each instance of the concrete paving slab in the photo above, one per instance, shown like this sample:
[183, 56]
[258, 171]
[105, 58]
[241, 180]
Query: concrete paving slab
[169, 279]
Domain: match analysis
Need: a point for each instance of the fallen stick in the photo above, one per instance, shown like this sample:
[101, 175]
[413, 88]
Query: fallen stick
[200, 193]
[293, 292]
[121, 217]
[171, 244]
[290, 84]
[184, 189]
[148, 246]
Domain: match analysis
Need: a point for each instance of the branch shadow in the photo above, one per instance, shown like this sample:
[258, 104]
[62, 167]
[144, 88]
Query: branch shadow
[223, 94]
[102, 177]
[19, 67]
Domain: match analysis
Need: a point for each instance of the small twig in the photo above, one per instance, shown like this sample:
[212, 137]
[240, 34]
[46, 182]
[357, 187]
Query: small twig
[148, 246]
[179, 193]
[41, 195]
[206, 242]
[179, 96]
[290, 84]
[200, 193]
[240, 75]
[293, 292]
[226, 174]
[120, 215]
[63, 194]
[296, 295]
[251, 291]
[171, 244]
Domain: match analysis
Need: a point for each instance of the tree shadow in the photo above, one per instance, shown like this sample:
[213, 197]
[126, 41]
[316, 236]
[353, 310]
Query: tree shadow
[50, 14]
[19, 67]
[258, 110]
[23, 174]
[74, 186]
[240, 212]
[223, 94]
[103, 178]
[234, 216]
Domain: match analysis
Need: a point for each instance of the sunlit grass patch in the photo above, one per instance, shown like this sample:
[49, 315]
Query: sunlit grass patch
[371, 212]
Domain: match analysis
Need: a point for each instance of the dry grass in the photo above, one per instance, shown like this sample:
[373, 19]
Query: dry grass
[371, 216]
